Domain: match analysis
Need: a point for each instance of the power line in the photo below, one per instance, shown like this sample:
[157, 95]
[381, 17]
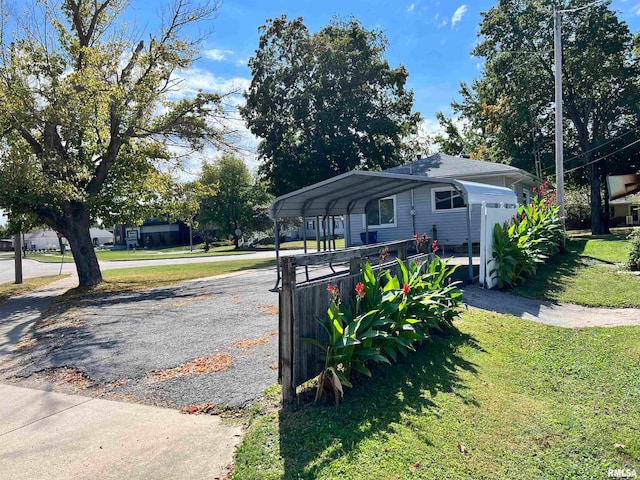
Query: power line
[577, 9]
[599, 146]
[603, 158]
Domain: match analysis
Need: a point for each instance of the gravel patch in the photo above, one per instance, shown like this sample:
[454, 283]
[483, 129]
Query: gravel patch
[127, 336]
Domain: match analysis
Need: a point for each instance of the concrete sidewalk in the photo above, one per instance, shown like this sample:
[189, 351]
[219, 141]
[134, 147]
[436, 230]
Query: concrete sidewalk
[18, 314]
[45, 435]
[556, 314]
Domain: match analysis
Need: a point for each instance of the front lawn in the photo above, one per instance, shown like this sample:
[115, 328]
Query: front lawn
[587, 275]
[140, 254]
[502, 398]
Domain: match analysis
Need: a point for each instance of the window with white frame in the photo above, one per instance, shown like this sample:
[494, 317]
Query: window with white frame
[634, 211]
[443, 199]
[382, 213]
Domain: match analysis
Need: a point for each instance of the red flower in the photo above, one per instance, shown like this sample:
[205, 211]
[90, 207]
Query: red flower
[534, 190]
[360, 290]
[434, 246]
[524, 215]
[333, 291]
[546, 184]
[405, 289]
[415, 236]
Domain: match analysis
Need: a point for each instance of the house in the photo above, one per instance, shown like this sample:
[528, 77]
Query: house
[45, 239]
[437, 210]
[154, 232]
[624, 199]
[625, 210]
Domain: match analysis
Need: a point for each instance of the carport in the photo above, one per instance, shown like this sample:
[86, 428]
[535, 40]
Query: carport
[353, 193]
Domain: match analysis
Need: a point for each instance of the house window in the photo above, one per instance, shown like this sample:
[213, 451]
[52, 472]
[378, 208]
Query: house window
[634, 211]
[382, 213]
[446, 199]
[311, 225]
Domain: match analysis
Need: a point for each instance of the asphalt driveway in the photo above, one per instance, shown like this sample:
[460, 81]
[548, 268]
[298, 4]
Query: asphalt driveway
[141, 346]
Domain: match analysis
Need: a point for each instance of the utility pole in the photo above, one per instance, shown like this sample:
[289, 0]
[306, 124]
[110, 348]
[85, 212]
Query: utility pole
[17, 253]
[557, 44]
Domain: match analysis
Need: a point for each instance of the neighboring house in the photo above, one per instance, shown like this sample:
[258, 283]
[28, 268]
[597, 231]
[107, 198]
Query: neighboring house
[6, 245]
[326, 228]
[48, 239]
[439, 211]
[154, 232]
[42, 240]
[625, 210]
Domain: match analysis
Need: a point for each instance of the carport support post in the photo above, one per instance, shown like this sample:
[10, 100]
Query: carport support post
[470, 248]
[276, 236]
[286, 329]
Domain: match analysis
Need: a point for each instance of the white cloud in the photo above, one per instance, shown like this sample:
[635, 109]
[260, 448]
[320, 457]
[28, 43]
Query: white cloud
[635, 10]
[458, 14]
[216, 54]
[411, 7]
[242, 62]
[188, 82]
[443, 23]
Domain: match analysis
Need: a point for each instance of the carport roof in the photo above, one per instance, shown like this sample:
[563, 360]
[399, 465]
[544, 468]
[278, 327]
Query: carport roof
[352, 191]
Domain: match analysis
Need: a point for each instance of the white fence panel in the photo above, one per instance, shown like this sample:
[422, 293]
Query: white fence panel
[491, 216]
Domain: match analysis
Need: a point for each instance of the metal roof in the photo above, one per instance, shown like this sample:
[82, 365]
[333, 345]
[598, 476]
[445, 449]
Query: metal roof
[351, 192]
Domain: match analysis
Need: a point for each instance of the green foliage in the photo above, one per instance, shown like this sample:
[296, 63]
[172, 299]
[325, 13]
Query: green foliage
[527, 240]
[231, 199]
[325, 103]
[633, 260]
[528, 401]
[514, 96]
[86, 110]
[390, 315]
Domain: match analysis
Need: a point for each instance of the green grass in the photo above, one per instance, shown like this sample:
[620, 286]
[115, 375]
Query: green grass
[299, 245]
[8, 290]
[525, 400]
[148, 277]
[129, 279]
[586, 275]
[140, 254]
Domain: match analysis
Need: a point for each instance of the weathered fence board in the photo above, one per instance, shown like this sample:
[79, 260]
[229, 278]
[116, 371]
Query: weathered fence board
[301, 305]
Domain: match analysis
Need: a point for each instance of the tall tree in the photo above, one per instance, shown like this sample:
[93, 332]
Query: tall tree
[232, 199]
[512, 104]
[325, 103]
[86, 111]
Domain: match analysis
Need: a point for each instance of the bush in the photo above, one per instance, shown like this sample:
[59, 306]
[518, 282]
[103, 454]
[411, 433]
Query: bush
[532, 236]
[633, 260]
[389, 315]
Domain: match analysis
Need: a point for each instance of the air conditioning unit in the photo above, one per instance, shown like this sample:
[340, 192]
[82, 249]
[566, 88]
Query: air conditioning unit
[629, 219]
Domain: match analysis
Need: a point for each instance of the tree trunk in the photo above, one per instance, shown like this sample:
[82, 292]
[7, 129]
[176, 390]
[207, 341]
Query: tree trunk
[597, 219]
[76, 231]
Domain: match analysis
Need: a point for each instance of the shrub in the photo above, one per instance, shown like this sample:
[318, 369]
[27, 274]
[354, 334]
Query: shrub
[387, 317]
[633, 260]
[528, 239]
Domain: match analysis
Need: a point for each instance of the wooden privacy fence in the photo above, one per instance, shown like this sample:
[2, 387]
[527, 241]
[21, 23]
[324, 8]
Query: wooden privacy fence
[302, 304]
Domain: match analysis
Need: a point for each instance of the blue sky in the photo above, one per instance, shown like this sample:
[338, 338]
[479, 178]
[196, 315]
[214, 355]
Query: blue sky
[433, 39]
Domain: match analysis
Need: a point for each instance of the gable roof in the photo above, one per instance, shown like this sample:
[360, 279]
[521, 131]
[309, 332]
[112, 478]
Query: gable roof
[447, 166]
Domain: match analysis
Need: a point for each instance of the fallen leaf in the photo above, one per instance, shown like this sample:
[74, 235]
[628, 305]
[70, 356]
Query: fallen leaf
[463, 449]
[619, 446]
